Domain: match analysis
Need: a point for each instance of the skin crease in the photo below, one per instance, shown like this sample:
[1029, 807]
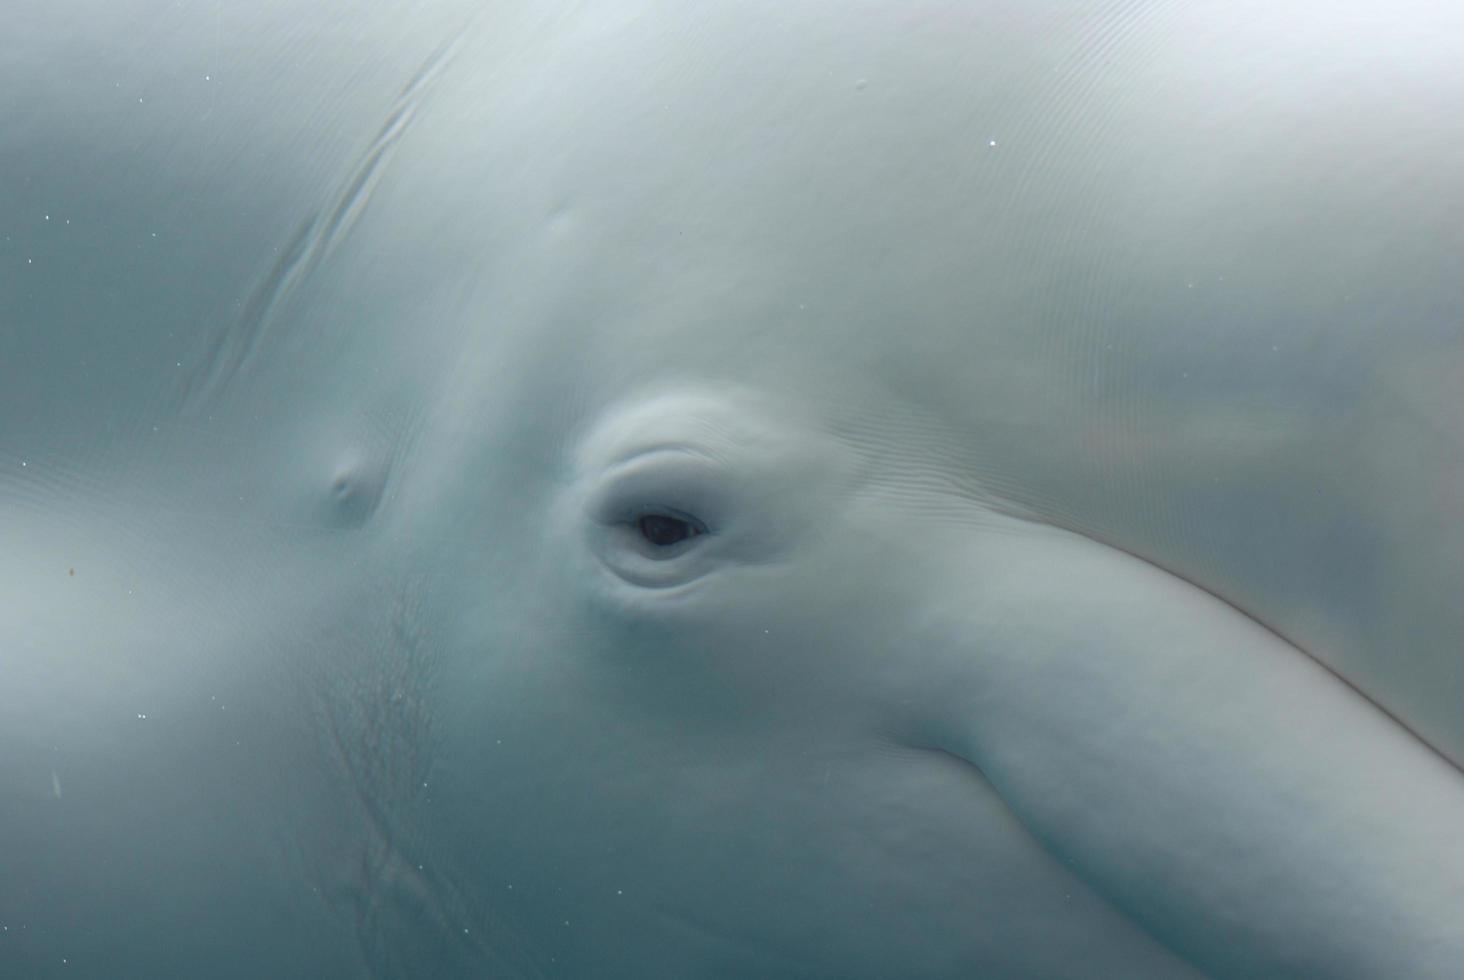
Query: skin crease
[1065, 397]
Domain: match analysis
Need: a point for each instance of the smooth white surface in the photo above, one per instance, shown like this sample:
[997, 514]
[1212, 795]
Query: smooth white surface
[1070, 395]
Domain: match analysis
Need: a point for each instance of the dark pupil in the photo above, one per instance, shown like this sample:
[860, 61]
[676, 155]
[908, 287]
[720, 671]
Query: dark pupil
[661, 530]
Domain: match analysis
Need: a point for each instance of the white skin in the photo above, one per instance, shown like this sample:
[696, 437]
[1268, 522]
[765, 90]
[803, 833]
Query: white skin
[804, 649]
[942, 522]
[1027, 464]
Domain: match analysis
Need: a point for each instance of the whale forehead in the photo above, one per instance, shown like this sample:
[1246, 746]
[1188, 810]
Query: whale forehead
[729, 175]
[816, 206]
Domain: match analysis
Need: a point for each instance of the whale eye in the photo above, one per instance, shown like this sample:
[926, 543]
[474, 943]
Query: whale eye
[677, 492]
[663, 530]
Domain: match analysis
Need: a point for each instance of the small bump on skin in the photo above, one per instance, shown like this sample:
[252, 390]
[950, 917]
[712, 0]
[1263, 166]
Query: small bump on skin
[355, 491]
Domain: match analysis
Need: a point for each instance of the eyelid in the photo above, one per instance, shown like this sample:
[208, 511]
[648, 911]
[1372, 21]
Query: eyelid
[687, 486]
[669, 448]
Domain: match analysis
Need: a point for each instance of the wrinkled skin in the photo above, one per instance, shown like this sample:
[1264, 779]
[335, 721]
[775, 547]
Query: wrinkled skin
[1048, 416]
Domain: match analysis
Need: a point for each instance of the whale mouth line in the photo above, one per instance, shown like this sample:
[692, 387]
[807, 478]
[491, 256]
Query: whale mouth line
[1069, 864]
[1457, 766]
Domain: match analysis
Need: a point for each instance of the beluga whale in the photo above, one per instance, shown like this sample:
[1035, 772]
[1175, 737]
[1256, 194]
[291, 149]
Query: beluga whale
[643, 489]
